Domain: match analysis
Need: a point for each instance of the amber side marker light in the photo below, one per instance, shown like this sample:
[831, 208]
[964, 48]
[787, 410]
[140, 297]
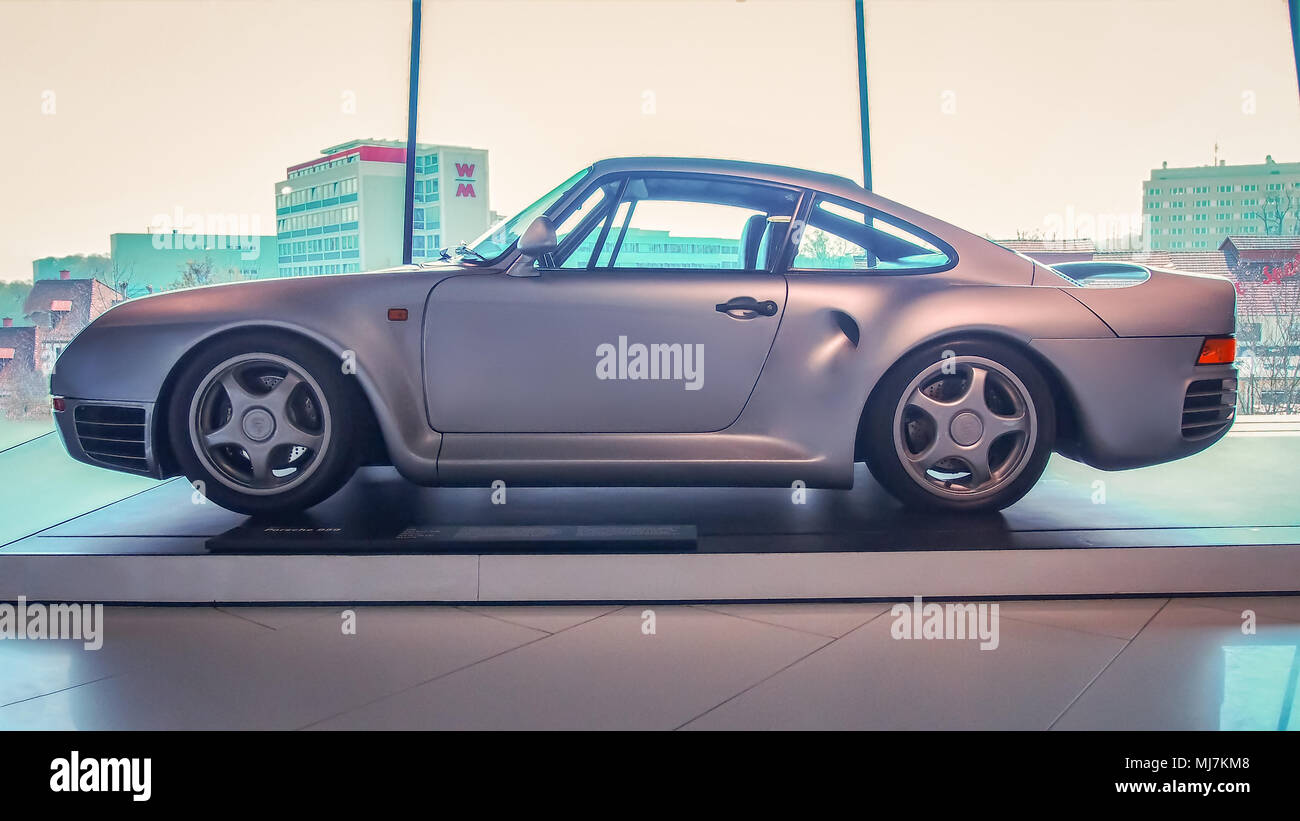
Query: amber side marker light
[1218, 350]
[397, 314]
[57, 404]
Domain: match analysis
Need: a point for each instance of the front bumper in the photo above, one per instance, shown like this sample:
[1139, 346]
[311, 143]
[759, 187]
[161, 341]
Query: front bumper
[117, 435]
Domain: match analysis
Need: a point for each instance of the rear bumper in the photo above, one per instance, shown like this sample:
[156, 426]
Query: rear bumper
[1140, 400]
[116, 435]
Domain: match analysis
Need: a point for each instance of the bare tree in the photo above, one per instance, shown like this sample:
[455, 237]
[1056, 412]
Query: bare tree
[195, 274]
[1268, 321]
[1274, 210]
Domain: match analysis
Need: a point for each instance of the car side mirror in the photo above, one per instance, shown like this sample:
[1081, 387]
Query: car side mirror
[537, 242]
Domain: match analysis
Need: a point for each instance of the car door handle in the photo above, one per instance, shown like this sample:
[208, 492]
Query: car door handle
[746, 307]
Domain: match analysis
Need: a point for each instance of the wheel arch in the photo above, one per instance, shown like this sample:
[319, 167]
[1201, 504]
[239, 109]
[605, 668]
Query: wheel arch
[1063, 400]
[370, 436]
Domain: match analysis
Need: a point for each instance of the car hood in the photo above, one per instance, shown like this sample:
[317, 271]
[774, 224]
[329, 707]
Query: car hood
[250, 298]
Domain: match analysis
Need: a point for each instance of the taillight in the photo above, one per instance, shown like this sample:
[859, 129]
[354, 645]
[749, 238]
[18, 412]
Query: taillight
[1218, 350]
[57, 403]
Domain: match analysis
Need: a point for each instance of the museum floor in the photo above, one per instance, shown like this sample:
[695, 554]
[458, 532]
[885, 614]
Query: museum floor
[1179, 663]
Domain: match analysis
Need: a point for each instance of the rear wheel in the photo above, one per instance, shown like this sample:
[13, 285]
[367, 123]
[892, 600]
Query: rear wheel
[960, 426]
[264, 422]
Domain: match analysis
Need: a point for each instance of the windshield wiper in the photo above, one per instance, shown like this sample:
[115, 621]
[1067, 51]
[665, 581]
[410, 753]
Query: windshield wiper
[466, 251]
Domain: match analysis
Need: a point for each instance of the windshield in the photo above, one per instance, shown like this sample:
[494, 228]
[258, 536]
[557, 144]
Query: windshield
[502, 236]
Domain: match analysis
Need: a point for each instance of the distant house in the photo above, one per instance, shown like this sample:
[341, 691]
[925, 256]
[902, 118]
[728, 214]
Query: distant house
[17, 353]
[1248, 256]
[57, 310]
[1192, 262]
[20, 379]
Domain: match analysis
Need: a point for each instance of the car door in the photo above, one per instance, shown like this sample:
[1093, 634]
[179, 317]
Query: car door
[655, 314]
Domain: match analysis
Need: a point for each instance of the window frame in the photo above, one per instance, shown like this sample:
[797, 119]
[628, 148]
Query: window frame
[775, 263]
[810, 202]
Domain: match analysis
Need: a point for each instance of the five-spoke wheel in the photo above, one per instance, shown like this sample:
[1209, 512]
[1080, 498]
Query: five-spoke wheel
[960, 426]
[965, 426]
[259, 424]
[263, 422]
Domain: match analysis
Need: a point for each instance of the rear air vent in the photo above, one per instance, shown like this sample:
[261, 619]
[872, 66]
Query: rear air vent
[1209, 407]
[112, 434]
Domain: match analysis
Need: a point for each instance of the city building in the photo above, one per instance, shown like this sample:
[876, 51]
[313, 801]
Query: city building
[651, 247]
[344, 210]
[158, 261]
[1198, 208]
[145, 263]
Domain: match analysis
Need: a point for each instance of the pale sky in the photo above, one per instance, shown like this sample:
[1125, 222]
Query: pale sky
[997, 115]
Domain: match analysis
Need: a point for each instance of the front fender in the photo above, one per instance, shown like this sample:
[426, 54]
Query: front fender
[129, 353]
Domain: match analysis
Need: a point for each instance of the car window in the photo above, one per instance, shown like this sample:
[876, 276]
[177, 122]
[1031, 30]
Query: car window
[500, 238]
[678, 221]
[841, 235]
[588, 212]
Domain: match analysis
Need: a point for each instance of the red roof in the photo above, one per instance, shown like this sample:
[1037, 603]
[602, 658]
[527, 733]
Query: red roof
[1256, 242]
[1256, 298]
[367, 153]
[1194, 262]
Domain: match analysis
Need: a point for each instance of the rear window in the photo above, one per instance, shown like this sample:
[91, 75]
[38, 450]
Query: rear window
[840, 235]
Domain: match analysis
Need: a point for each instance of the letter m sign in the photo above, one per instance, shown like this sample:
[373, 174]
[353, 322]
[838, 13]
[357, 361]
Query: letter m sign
[465, 189]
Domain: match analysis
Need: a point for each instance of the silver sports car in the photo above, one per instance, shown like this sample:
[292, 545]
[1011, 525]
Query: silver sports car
[665, 322]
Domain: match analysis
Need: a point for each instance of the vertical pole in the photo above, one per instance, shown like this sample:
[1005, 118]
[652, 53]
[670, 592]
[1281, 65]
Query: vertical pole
[412, 108]
[863, 108]
[1295, 35]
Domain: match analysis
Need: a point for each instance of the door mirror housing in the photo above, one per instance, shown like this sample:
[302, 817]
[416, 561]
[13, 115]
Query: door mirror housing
[539, 238]
[537, 242]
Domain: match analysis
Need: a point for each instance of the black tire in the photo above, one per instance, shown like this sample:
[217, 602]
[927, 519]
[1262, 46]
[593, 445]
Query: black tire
[328, 469]
[885, 453]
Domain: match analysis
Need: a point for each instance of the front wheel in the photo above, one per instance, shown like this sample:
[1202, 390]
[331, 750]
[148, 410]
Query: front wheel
[960, 426]
[264, 423]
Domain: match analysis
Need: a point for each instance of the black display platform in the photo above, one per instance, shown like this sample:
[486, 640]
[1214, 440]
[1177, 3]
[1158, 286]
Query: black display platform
[1206, 524]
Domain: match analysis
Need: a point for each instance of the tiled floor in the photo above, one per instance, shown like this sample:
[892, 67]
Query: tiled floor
[1131, 664]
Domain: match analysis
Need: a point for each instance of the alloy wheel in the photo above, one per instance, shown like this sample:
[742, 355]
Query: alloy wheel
[259, 424]
[965, 427]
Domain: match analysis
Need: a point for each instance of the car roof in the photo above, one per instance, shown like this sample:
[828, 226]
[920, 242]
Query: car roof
[830, 183]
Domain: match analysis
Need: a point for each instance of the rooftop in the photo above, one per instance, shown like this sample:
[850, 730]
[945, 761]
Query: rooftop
[1027, 246]
[334, 149]
[1255, 242]
[1267, 166]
